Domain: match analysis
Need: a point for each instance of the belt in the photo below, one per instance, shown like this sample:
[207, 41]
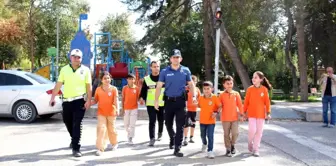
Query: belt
[175, 98]
[73, 98]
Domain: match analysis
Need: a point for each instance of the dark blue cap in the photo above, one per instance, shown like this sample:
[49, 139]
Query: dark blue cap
[176, 52]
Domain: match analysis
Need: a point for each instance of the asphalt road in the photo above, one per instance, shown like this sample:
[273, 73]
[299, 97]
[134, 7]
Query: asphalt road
[45, 142]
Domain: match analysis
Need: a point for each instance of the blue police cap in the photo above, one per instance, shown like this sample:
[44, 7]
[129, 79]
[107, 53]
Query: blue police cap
[176, 52]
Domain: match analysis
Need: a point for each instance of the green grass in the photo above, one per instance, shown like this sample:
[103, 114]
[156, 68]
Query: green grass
[291, 98]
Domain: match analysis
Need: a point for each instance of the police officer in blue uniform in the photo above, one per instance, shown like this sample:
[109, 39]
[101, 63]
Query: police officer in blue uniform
[175, 77]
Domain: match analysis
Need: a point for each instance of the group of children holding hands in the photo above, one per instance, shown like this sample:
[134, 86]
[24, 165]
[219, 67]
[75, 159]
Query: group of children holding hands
[228, 105]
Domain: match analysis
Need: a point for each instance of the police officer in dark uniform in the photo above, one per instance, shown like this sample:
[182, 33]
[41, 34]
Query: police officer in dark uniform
[175, 77]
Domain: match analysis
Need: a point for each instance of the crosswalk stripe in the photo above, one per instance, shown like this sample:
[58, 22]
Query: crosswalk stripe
[305, 141]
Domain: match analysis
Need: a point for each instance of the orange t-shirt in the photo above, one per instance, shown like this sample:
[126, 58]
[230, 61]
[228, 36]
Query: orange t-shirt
[208, 106]
[106, 101]
[231, 106]
[130, 97]
[257, 102]
[190, 105]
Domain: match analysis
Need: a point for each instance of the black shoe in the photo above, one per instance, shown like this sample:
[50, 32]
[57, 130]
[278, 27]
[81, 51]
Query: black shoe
[191, 140]
[233, 149]
[177, 153]
[152, 142]
[70, 146]
[159, 136]
[76, 153]
[228, 153]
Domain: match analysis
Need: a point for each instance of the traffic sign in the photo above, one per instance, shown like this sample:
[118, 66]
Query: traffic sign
[83, 16]
[52, 51]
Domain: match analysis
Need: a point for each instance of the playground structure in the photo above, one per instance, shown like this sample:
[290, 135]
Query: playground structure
[119, 70]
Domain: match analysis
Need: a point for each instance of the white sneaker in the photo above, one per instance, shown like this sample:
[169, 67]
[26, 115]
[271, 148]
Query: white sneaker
[130, 141]
[99, 153]
[256, 154]
[211, 155]
[204, 147]
[115, 147]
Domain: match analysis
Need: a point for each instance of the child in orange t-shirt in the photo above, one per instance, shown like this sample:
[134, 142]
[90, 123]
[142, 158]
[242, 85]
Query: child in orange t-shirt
[232, 108]
[257, 106]
[130, 96]
[106, 96]
[210, 106]
[191, 114]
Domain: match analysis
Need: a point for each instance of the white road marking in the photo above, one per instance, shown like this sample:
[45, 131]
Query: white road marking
[305, 141]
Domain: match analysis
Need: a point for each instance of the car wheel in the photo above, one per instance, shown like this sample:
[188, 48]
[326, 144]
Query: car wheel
[24, 112]
[46, 116]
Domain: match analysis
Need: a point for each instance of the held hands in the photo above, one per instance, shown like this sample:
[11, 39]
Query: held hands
[142, 101]
[87, 104]
[214, 114]
[156, 104]
[194, 99]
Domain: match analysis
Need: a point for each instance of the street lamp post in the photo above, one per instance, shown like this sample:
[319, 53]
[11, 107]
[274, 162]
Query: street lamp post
[218, 23]
[57, 46]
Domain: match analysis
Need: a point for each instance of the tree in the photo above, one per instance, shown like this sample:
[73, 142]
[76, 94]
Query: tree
[300, 16]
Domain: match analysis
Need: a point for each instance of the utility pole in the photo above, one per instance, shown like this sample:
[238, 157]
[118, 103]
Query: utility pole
[218, 22]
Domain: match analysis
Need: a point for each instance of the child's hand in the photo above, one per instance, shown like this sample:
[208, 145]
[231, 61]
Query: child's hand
[141, 101]
[93, 102]
[214, 114]
[268, 116]
[242, 119]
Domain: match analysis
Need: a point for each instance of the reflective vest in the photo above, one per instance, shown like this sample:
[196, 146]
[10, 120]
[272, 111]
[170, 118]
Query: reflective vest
[151, 92]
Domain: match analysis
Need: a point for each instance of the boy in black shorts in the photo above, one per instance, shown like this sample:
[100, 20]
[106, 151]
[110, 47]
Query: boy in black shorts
[191, 114]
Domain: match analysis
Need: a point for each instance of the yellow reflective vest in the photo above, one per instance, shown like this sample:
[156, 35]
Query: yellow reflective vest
[151, 92]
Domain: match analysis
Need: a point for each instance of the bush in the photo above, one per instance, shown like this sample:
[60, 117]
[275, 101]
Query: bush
[283, 81]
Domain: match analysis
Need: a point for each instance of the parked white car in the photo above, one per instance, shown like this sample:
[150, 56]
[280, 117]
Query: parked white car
[25, 96]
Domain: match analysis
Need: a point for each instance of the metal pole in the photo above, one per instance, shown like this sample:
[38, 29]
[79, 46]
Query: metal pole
[57, 45]
[217, 60]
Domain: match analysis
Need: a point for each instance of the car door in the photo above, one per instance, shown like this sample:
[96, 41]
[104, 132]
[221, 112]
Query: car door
[10, 87]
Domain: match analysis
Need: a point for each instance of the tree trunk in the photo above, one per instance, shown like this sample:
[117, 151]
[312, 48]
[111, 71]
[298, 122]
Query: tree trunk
[31, 35]
[207, 41]
[289, 62]
[301, 50]
[232, 51]
[314, 51]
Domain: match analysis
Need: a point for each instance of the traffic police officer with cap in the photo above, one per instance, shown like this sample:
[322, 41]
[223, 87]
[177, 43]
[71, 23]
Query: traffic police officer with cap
[77, 87]
[175, 77]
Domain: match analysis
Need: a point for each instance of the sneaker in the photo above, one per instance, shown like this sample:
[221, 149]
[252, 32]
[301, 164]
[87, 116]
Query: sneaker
[76, 153]
[233, 149]
[99, 153]
[130, 141]
[191, 140]
[185, 142]
[159, 136]
[325, 125]
[204, 147]
[331, 126]
[211, 155]
[177, 153]
[228, 153]
[115, 147]
[151, 142]
[256, 154]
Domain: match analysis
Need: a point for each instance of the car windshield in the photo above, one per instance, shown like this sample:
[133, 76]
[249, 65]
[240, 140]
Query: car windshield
[38, 78]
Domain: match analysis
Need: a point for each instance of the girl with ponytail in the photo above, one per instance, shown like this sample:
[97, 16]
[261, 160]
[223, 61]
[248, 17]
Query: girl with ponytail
[257, 107]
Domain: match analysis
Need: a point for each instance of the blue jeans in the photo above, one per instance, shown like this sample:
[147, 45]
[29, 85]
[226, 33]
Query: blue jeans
[325, 102]
[207, 130]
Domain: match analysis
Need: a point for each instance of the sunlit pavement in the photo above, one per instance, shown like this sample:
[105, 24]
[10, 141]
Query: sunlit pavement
[46, 143]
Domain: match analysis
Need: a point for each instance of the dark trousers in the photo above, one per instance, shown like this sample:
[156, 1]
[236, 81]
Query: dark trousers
[154, 114]
[73, 114]
[175, 109]
[208, 130]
